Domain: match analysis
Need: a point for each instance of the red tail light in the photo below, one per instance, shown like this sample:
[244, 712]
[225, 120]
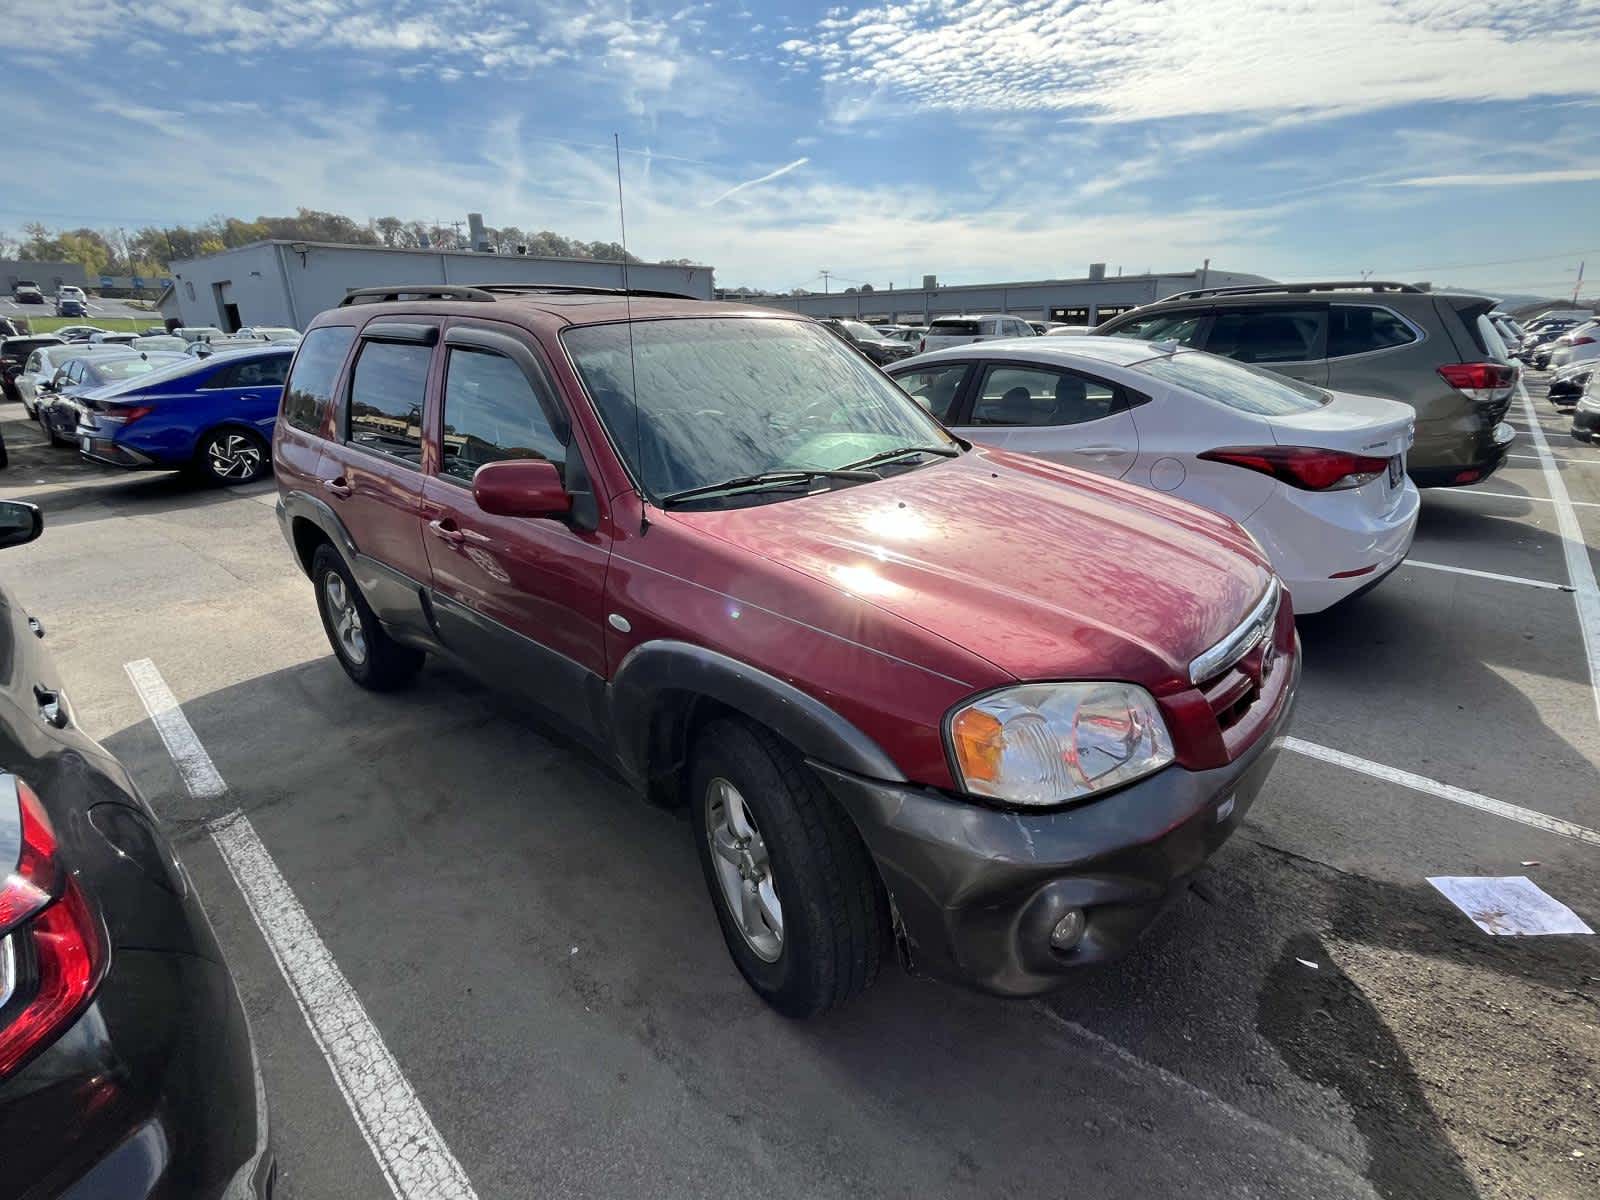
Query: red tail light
[52, 947]
[1583, 341]
[922, 344]
[126, 413]
[1303, 466]
[1481, 380]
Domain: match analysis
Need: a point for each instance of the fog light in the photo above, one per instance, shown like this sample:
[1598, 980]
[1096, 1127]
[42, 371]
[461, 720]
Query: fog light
[1068, 931]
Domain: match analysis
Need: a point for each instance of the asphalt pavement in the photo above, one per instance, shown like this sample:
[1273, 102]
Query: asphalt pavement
[97, 308]
[537, 952]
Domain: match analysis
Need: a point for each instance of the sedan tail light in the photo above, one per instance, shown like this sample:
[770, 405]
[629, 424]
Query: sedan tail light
[1583, 341]
[53, 950]
[1481, 380]
[1303, 467]
[125, 413]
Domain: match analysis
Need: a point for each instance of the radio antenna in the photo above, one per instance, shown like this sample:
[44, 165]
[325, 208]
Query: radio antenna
[633, 367]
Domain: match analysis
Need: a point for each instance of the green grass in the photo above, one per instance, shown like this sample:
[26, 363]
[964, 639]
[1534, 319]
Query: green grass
[113, 324]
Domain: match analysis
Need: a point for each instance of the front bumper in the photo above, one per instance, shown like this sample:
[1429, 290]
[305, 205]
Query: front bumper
[977, 890]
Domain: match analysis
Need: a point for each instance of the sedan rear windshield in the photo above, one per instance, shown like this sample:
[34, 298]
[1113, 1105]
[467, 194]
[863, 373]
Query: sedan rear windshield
[943, 328]
[722, 397]
[1237, 385]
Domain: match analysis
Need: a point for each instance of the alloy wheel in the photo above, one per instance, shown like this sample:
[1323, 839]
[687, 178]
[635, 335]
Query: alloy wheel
[344, 617]
[744, 869]
[233, 456]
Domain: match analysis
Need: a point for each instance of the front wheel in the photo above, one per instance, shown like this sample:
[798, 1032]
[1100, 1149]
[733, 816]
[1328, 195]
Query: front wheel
[796, 893]
[229, 456]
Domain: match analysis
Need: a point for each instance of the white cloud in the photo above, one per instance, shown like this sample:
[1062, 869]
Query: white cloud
[1149, 59]
[1501, 178]
[767, 178]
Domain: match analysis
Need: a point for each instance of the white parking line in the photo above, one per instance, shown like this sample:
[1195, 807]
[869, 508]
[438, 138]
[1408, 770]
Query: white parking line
[1515, 496]
[1445, 791]
[412, 1155]
[1537, 583]
[1560, 458]
[1580, 571]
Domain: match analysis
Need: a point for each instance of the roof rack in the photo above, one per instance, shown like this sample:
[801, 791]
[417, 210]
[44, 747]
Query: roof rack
[427, 291]
[1341, 285]
[575, 289]
[490, 292]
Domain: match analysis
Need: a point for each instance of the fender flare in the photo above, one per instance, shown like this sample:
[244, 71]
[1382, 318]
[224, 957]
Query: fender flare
[298, 505]
[666, 665]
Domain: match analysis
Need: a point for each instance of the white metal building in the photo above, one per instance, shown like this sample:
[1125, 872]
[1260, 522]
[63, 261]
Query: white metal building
[1088, 301]
[280, 282]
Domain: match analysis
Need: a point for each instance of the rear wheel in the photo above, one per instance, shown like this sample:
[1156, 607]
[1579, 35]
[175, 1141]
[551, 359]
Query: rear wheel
[794, 888]
[228, 456]
[368, 655]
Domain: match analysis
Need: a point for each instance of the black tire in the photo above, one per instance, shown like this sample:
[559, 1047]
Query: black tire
[231, 456]
[383, 664]
[835, 914]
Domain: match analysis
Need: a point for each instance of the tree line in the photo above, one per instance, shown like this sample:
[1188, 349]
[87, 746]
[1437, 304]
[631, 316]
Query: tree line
[152, 249]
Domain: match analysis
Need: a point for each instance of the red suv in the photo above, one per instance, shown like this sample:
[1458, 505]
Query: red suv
[911, 692]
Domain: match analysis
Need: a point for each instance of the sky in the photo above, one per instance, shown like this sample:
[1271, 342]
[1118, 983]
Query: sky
[1450, 140]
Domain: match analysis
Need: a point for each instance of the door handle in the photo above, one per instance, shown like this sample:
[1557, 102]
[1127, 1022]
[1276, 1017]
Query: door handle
[50, 710]
[445, 529]
[1102, 451]
[338, 487]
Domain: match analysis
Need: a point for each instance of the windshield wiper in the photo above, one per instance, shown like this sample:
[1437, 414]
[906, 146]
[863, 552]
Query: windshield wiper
[767, 479]
[906, 452]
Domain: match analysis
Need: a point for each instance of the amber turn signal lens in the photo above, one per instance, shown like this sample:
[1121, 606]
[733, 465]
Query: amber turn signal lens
[976, 737]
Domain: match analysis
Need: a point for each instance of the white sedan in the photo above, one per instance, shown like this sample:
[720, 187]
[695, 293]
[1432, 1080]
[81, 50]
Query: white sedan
[1317, 477]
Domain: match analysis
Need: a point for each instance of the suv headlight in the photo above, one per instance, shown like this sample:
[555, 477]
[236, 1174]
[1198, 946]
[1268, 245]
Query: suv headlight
[1047, 743]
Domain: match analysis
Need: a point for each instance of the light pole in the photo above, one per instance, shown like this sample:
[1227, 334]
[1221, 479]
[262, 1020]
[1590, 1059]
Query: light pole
[825, 275]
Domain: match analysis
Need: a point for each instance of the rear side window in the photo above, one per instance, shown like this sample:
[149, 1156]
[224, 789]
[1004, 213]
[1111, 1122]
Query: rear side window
[255, 372]
[1246, 389]
[386, 394]
[1180, 327]
[310, 388]
[492, 413]
[1268, 335]
[1360, 329]
[1039, 396]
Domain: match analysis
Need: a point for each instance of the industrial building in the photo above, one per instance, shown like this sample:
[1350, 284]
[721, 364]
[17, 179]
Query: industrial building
[48, 275]
[1088, 301]
[280, 282]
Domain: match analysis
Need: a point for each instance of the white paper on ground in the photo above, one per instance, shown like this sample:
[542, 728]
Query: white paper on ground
[1508, 906]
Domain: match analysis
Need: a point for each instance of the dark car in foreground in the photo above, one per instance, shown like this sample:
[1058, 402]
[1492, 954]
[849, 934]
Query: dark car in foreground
[913, 692]
[213, 416]
[1437, 351]
[880, 349]
[126, 1065]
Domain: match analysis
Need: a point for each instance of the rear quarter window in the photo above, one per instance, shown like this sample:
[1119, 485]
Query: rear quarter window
[1246, 389]
[1361, 329]
[309, 391]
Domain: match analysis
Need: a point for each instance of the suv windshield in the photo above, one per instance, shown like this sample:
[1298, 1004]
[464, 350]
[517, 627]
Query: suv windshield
[725, 397]
[1241, 387]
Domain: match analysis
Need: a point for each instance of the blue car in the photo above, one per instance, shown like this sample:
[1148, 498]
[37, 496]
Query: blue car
[213, 416]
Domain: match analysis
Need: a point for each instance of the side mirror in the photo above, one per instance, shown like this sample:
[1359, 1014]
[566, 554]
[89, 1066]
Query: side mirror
[19, 523]
[521, 488]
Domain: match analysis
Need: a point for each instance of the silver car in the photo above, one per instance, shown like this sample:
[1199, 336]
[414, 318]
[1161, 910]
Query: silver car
[42, 365]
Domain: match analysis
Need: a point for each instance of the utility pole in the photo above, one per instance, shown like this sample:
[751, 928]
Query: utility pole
[1577, 287]
[825, 275]
[1205, 270]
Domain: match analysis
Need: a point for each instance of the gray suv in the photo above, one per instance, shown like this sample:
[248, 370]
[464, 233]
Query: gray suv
[1436, 351]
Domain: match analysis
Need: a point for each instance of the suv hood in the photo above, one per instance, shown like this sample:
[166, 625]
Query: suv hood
[1044, 571]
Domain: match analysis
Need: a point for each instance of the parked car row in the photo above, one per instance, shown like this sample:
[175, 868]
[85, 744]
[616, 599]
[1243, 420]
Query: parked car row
[1559, 342]
[148, 403]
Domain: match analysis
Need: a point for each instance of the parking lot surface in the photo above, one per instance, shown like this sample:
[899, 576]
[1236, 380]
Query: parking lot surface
[538, 954]
[98, 307]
